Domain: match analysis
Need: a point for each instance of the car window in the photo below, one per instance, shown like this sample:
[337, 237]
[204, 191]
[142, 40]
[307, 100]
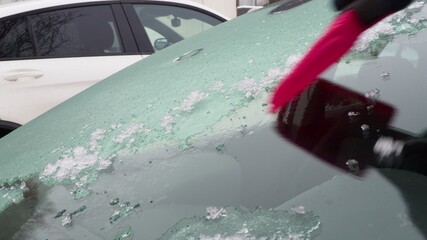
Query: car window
[15, 39]
[166, 25]
[80, 31]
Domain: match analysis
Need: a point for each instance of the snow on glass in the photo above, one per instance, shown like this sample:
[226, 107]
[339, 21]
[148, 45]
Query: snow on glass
[13, 193]
[215, 213]
[218, 86]
[252, 88]
[275, 74]
[387, 146]
[167, 122]
[249, 87]
[125, 134]
[81, 165]
[234, 224]
[188, 104]
[403, 22]
[299, 210]
[70, 166]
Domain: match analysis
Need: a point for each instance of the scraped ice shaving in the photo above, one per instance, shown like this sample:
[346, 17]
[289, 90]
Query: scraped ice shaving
[294, 236]
[276, 74]
[116, 126]
[134, 128]
[256, 224]
[386, 146]
[12, 194]
[70, 166]
[290, 236]
[23, 186]
[215, 213]
[404, 21]
[99, 134]
[418, 4]
[273, 76]
[249, 87]
[372, 34]
[104, 164]
[219, 237]
[299, 210]
[67, 220]
[194, 97]
[167, 123]
[293, 60]
[218, 86]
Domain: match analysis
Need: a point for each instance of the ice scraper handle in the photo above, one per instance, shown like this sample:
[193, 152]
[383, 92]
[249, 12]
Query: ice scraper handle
[337, 40]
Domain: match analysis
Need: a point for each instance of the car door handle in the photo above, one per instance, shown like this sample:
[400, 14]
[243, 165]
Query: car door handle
[22, 74]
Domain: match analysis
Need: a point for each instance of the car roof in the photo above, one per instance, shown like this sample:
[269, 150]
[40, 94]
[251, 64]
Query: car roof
[30, 5]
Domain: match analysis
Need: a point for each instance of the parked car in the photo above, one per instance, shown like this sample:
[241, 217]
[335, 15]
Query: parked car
[180, 144]
[51, 50]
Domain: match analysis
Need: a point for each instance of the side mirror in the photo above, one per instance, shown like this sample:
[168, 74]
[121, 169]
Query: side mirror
[176, 22]
[161, 43]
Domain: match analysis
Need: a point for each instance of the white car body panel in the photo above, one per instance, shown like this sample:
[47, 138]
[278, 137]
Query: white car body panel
[23, 99]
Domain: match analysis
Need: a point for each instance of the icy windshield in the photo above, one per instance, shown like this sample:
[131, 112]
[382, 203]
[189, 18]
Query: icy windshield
[152, 102]
[179, 145]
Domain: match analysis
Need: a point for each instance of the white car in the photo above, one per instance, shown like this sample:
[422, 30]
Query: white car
[51, 50]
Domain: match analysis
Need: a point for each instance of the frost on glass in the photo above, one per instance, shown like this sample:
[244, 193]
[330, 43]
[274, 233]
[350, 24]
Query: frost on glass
[67, 218]
[122, 210]
[124, 233]
[159, 101]
[12, 194]
[231, 223]
[406, 22]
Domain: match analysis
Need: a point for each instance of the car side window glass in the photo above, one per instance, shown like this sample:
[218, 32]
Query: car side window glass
[82, 31]
[15, 39]
[166, 25]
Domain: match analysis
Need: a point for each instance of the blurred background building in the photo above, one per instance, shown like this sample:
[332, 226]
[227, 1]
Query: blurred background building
[226, 7]
[230, 8]
[255, 2]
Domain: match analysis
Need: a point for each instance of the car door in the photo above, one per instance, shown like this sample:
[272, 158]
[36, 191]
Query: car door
[48, 56]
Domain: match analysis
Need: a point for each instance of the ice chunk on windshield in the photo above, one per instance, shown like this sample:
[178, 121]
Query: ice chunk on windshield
[407, 21]
[231, 223]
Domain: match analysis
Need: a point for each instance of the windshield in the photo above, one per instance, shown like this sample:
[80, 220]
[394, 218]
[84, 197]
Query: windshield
[179, 145]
